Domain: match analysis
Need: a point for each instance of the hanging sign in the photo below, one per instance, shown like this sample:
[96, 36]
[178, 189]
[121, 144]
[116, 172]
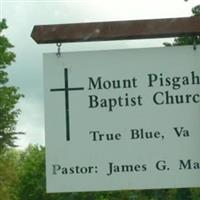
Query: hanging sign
[122, 119]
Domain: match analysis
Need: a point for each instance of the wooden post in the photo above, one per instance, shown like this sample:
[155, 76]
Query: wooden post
[117, 30]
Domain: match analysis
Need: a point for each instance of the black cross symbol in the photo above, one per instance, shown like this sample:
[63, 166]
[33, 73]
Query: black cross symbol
[66, 89]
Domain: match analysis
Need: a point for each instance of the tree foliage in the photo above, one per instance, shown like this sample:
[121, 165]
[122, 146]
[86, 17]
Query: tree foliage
[31, 174]
[32, 181]
[9, 165]
[187, 40]
[9, 95]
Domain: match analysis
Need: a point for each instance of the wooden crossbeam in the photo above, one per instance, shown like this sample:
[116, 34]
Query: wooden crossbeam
[116, 30]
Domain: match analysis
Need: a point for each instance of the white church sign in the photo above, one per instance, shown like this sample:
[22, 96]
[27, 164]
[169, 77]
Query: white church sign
[122, 119]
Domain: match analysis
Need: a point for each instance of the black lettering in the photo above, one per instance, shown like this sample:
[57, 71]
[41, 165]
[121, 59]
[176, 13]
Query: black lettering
[93, 101]
[93, 84]
[161, 165]
[156, 97]
[56, 168]
[185, 165]
[152, 79]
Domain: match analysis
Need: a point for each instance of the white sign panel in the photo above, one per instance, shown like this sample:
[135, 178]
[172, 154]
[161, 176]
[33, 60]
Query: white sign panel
[122, 119]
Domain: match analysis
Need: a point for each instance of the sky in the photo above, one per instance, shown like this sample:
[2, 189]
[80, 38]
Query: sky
[27, 72]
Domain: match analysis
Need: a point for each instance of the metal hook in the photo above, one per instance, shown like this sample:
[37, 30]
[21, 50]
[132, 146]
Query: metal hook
[59, 44]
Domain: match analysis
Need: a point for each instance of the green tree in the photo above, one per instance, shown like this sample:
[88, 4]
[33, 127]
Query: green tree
[187, 40]
[9, 95]
[32, 179]
[184, 193]
[31, 174]
[9, 165]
